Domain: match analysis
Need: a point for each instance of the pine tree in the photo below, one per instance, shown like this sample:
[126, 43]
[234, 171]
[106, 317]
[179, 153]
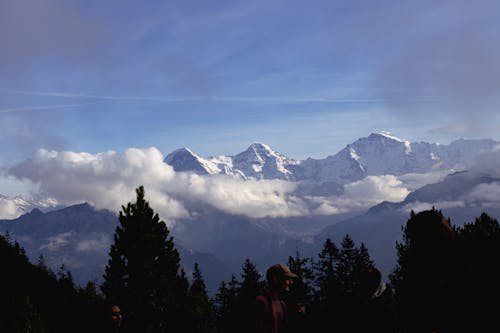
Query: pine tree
[326, 275]
[326, 296]
[299, 299]
[225, 304]
[202, 314]
[250, 286]
[346, 265]
[27, 318]
[143, 274]
[301, 290]
[363, 258]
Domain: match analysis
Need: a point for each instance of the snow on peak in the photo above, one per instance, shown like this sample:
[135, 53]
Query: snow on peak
[378, 154]
[385, 134]
[185, 152]
[390, 136]
[184, 159]
[260, 150]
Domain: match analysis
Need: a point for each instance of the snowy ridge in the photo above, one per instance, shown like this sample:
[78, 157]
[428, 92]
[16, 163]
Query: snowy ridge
[378, 154]
[259, 161]
[12, 207]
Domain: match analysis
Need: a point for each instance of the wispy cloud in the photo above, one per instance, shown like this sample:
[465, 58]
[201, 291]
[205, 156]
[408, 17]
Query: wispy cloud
[254, 99]
[45, 107]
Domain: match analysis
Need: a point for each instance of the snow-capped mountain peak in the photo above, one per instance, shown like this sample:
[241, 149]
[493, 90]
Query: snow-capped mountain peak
[12, 207]
[184, 159]
[379, 153]
[387, 135]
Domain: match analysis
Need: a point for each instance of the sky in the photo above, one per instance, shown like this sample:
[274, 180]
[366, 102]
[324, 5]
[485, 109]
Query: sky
[304, 77]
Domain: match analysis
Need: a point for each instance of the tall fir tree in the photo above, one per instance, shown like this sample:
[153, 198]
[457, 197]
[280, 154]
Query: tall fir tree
[225, 304]
[346, 265]
[202, 313]
[327, 284]
[250, 286]
[325, 272]
[302, 288]
[299, 300]
[143, 274]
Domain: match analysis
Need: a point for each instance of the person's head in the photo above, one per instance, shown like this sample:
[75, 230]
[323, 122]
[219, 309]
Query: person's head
[116, 315]
[280, 278]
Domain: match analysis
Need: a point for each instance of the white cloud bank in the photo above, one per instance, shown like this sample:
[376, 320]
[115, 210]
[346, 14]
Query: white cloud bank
[362, 194]
[109, 179]
[9, 209]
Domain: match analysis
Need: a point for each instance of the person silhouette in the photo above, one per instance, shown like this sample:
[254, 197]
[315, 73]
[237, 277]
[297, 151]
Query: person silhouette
[271, 310]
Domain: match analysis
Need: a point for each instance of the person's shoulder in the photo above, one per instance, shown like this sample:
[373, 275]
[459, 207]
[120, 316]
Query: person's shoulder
[262, 298]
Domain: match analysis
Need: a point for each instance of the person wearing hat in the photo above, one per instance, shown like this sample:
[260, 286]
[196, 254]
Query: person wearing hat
[270, 309]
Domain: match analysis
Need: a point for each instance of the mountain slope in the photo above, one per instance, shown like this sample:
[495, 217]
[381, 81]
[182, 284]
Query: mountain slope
[80, 238]
[380, 227]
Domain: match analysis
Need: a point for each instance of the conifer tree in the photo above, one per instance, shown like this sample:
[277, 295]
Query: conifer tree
[250, 286]
[479, 249]
[363, 258]
[327, 284]
[299, 299]
[27, 318]
[326, 275]
[301, 290]
[143, 274]
[424, 279]
[346, 265]
[225, 301]
[202, 314]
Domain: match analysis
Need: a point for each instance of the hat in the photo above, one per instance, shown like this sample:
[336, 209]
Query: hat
[281, 271]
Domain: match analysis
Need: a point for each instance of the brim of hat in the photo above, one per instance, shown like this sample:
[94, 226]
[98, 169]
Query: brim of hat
[291, 275]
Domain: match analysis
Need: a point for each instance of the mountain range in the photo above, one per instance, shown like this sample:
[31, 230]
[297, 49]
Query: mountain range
[378, 154]
[79, 236]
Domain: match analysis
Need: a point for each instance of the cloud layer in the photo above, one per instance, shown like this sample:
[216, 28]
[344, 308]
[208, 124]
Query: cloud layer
[109, 179]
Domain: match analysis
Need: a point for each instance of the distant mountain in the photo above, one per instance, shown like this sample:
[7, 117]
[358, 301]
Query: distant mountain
[380, 227]
[80, 237]
[259, 161]
[378, 154]
[14, 206]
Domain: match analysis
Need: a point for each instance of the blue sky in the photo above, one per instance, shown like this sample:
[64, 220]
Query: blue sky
[305, 77]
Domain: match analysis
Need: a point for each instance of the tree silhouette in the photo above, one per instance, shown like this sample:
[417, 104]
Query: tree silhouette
[299, 299]
[479, 244]
[326, 276]
[34, 299]
[425, 275]
[225, 304]
[143, 275]
[202, 314]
